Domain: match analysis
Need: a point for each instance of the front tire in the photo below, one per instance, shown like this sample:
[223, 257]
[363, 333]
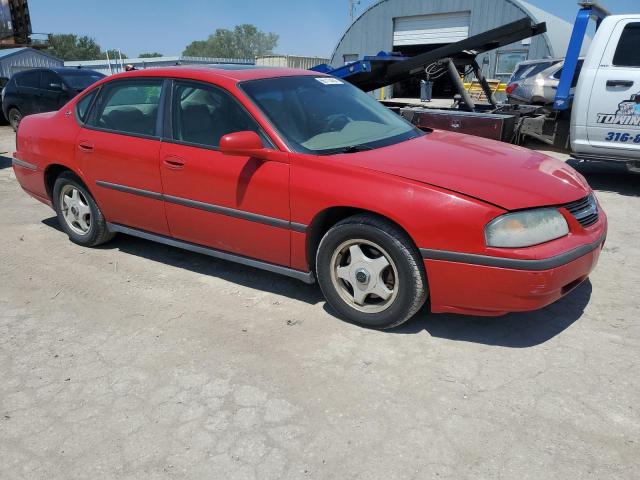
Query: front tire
[78, 213]
[370, 272]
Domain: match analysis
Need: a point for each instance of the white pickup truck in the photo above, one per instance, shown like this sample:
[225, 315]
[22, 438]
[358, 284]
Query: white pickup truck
[605, 114]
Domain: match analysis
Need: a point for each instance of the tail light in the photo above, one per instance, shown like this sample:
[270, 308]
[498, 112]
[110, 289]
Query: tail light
[511, 87]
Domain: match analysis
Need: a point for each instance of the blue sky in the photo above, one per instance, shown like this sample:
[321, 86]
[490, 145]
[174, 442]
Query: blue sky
[306, 27]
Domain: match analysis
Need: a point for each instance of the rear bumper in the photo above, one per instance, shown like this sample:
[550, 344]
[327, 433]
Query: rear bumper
[31, 179]
[486, 290]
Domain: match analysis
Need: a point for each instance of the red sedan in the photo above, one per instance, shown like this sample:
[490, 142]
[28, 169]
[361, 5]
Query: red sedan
[307, 176]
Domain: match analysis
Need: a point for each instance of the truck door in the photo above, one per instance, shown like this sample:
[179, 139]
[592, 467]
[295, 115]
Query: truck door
[614, 108]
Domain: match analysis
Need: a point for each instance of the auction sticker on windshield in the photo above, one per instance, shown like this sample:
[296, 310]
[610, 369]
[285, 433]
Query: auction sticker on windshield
[329, 80]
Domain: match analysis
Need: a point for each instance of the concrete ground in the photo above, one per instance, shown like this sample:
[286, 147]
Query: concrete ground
[140, 361]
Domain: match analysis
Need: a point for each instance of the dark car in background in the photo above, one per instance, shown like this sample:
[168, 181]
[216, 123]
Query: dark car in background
[43, 90]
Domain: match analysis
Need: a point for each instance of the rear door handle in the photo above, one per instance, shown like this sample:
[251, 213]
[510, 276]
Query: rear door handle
[85, 146]
[173, 162]
[619, 83]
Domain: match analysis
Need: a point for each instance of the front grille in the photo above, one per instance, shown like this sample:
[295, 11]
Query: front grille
[584, 210]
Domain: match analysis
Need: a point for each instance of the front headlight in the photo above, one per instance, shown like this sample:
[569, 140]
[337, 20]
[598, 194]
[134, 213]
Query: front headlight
[526, 228]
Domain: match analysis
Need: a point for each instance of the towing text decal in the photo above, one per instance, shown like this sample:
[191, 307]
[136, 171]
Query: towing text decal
[628, 113]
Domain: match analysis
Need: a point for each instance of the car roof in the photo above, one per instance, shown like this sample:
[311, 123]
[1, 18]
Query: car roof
[539, 60]
[74, 70]
[235, 73]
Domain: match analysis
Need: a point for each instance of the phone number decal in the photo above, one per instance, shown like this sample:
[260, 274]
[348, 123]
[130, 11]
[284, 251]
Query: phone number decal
[622, 137]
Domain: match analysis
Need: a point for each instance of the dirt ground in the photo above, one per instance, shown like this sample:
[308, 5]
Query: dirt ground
[141, 361]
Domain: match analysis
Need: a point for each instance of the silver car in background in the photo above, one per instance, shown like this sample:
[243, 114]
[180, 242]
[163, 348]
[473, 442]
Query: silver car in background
[535, 82]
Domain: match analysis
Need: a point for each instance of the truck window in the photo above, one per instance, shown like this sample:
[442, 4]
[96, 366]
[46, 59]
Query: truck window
[628, 54]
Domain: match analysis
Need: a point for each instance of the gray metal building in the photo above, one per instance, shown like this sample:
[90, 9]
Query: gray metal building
[13, 60]
[417, 26]
[289, 61]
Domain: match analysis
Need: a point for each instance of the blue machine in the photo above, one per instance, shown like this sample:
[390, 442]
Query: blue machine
[589, 10]
[366, 73]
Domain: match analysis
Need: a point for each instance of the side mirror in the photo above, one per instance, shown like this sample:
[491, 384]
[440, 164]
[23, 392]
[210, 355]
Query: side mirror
[249, 144]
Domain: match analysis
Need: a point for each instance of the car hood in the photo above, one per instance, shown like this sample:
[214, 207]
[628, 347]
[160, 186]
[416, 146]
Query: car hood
[505, 175]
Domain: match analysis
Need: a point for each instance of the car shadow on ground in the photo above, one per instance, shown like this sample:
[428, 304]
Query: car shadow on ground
[515, 330]
[609, 177]
[5, 161]
[204, 265]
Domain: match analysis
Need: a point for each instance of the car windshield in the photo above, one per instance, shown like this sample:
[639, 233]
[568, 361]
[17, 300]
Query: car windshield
[81, 80]
[324, 115]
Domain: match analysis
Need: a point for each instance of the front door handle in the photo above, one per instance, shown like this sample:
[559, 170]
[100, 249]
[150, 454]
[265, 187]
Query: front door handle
[85, 146]
[620, 83]
[173, 162]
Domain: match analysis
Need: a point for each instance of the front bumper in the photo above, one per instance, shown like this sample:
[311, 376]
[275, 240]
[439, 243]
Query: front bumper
[485, 286]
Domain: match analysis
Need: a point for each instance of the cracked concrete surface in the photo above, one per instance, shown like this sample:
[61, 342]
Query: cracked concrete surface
[137, 360]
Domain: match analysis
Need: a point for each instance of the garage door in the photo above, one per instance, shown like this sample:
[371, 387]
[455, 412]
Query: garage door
[430, 29]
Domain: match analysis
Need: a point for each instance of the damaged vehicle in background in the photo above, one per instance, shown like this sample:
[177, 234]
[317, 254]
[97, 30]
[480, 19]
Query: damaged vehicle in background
[536, 82]
[43, 90]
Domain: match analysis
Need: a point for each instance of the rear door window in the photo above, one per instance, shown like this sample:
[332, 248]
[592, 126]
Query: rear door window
[129, 107]
[50, 81]
[29, 79]
[628, 50]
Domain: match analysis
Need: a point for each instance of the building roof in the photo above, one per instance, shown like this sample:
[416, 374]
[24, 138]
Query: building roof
[10, 51]
[7, 52]
[152, 60]
[558, 30]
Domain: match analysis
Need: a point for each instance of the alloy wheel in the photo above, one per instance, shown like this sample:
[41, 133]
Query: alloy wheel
[75, 209]
[364, 275]
[15, 117]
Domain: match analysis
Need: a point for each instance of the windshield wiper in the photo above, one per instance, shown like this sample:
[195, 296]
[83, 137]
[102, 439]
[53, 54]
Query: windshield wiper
[355, 148]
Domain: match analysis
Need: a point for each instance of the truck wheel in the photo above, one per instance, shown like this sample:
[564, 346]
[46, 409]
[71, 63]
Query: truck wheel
[15, 117]
[370, 272]
[78, 213]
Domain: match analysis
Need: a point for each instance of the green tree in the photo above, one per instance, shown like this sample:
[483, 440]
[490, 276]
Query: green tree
[244, 41]
[68, 46]
[113, 54]
[150, 55]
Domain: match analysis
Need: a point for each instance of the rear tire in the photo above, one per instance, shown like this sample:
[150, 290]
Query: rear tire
[78, 213]
[370, 272]
[15, 117]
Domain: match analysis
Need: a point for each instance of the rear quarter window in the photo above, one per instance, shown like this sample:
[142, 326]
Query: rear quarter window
[82, 107]
[531, 69]
[576, 74]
